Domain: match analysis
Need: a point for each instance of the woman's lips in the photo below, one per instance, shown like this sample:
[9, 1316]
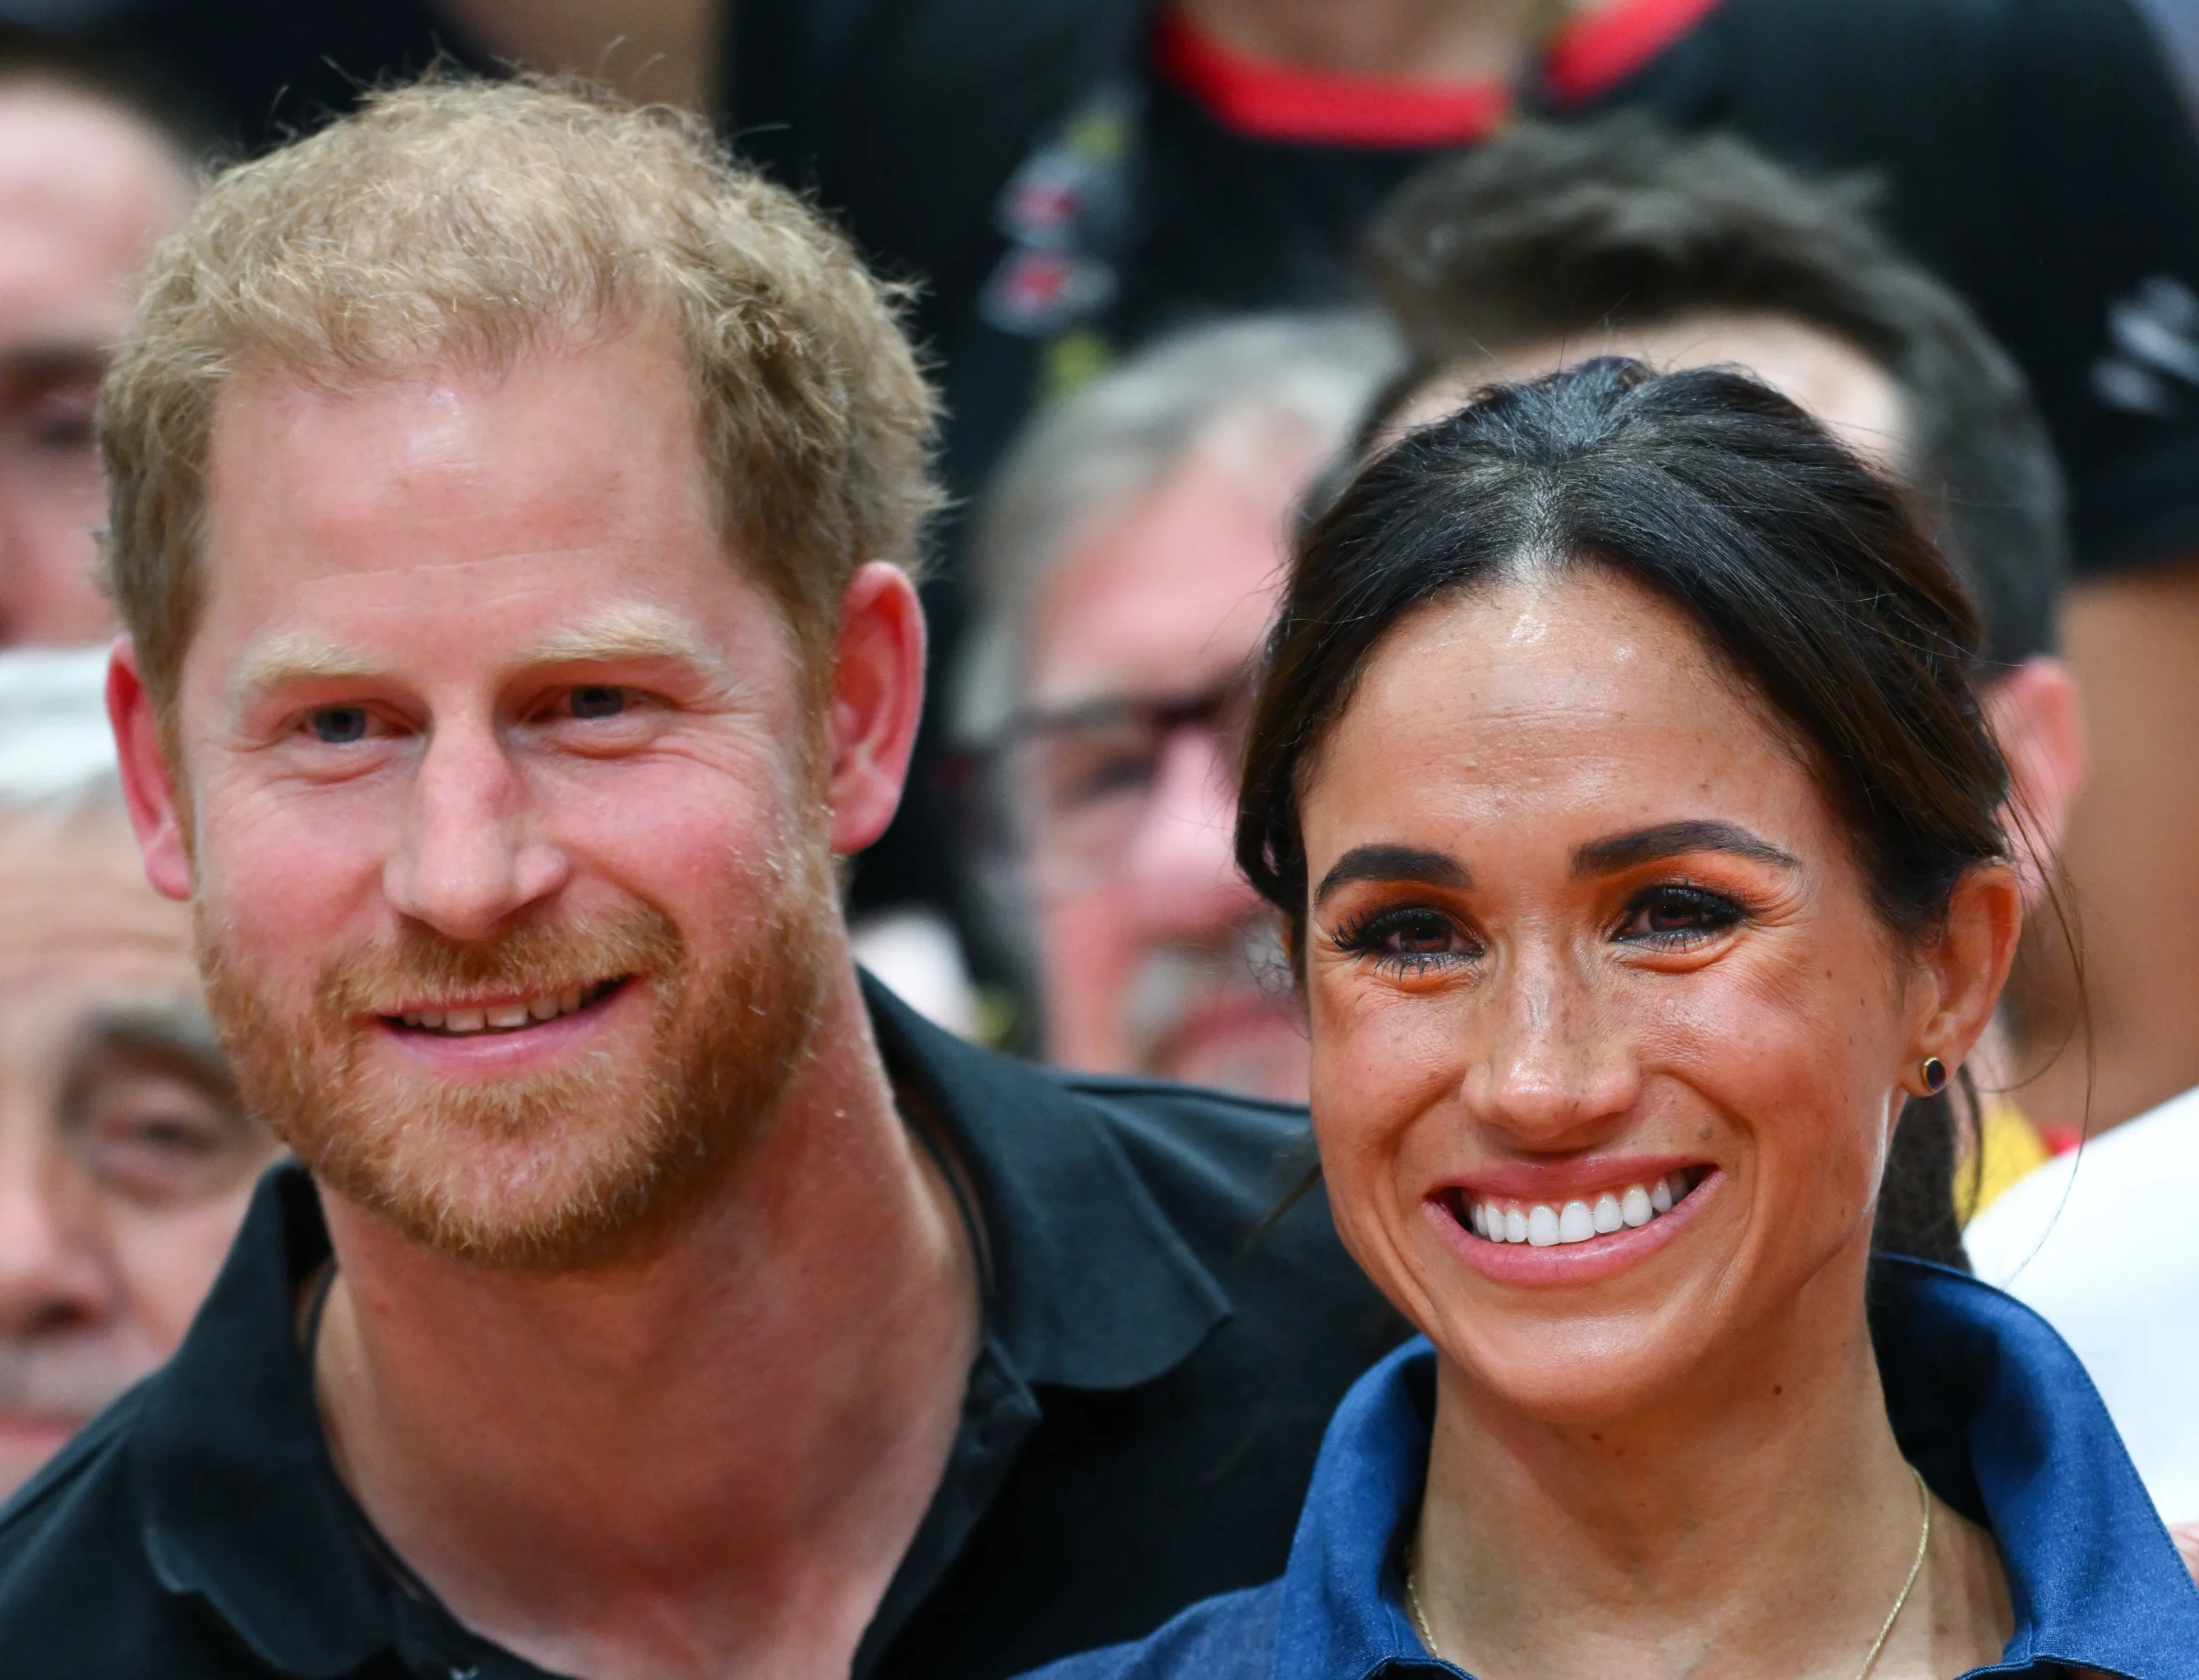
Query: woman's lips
[1556, 1238]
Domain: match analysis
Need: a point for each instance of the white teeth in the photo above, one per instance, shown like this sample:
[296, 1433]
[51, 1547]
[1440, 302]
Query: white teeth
[1578, 1221]
[501, 1018]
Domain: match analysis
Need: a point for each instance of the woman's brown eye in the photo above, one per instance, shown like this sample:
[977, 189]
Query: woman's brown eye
[1420, 934]
[1674, 915]
[1406, 939]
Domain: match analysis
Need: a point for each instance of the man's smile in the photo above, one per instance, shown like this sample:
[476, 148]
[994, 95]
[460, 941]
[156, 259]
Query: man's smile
[504, 1013]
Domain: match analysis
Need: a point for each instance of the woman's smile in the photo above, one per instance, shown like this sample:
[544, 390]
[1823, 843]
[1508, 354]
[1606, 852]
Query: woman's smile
[1584, 1222]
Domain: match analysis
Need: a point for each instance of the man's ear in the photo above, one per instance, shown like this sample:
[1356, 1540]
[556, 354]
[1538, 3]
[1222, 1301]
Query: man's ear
[1966, 967]
[147, 785]
[875, 702]
[2038, 716]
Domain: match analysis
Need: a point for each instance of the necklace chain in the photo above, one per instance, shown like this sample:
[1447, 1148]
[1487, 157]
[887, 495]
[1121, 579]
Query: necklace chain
[1916, 1567]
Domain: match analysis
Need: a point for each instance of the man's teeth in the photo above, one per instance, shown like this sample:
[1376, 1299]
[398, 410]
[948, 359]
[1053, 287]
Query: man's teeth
[1541, 1226]
[502, 1016]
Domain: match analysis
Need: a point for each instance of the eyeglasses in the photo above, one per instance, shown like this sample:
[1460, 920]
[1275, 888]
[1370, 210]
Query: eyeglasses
[1082, 780]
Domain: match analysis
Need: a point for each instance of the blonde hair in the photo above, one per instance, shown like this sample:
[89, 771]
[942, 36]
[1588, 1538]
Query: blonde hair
[459, 222]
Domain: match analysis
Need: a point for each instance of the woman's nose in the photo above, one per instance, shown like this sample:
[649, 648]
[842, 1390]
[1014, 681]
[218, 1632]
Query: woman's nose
[1555, 1068]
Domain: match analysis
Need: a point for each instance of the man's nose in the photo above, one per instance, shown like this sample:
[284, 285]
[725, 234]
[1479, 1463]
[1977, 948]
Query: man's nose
[1553, 1070]
[471, 854]
[53, 1275]
[1182, 857]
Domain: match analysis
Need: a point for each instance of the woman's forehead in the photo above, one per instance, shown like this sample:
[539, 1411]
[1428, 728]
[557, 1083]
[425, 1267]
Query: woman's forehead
[1565, 687]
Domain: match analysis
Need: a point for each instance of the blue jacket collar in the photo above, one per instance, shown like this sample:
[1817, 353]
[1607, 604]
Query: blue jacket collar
[1986, 1402]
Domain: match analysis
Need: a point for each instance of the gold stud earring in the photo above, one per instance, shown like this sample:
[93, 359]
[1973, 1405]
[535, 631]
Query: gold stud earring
[1934, 1071]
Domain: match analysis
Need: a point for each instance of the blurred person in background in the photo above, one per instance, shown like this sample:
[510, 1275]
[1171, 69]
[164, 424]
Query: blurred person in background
[1071, 178]
[92, 174]
[1126, 562]
[1555, 245]
[125, 1160]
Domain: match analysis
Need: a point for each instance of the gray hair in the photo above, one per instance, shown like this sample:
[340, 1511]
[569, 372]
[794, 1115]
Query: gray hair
[1123, 434]
[57, 753]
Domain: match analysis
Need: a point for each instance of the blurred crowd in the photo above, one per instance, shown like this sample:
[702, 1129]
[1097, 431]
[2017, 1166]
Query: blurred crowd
[1179, 268]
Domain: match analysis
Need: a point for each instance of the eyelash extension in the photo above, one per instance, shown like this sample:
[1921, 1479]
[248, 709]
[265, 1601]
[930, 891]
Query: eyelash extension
[1358, 936]
[1721, 909]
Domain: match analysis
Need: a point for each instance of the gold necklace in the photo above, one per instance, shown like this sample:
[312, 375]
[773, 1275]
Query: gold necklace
[1916, 1567]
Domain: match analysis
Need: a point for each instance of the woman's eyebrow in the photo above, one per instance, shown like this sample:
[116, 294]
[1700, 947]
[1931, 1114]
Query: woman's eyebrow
[1643, 846]
[1393, 863]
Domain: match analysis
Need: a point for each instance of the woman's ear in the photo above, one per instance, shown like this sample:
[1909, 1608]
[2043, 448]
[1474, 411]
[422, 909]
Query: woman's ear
[1964, 968]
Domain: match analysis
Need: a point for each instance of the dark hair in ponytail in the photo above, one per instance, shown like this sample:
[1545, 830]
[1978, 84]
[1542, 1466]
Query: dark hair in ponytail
[1804, 569]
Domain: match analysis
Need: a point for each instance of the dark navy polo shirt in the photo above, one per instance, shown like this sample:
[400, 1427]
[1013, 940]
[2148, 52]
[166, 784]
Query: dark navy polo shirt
[1160, 1355]
[1986, 1401]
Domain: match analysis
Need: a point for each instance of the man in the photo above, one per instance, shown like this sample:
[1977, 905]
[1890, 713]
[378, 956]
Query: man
[1126, 561]
[1620, 238]
[512, 510]
[125, 1160]
[89, 181]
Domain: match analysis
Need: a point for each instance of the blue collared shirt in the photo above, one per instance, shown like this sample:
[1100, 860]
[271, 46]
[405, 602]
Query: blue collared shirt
[1984, 1400]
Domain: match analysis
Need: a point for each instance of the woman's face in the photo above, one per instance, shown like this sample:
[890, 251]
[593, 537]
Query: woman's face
[1585, 943]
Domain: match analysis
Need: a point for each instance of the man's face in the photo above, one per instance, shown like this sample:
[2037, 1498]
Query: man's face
[1842, 387]
[85, 191]
[1156, 956]
[509, 862]
[125, 1160]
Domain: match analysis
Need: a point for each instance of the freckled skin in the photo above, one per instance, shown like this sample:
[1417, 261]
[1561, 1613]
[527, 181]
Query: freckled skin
[1507, 732]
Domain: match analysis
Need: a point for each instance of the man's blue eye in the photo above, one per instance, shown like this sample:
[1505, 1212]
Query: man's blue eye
[597, 701]
[339, 726]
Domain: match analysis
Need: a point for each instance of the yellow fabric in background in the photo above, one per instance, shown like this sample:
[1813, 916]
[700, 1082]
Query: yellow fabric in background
[2010, 1147]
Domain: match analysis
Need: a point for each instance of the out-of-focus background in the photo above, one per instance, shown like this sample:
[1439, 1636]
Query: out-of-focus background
[1178, 264]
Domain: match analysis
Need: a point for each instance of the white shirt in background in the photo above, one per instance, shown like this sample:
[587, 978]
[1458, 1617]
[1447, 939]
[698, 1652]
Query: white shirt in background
[2104, 1244]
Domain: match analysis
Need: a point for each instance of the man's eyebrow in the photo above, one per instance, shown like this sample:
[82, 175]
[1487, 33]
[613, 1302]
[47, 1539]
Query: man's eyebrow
[1393, 863]
[622, 633]
[625, 633]
[1627, 851]
[288, 660]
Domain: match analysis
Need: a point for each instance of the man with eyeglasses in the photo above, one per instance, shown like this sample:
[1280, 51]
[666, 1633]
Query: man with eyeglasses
[1126, 561]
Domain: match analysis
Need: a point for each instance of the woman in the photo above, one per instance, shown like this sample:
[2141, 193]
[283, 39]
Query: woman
[1617, 774]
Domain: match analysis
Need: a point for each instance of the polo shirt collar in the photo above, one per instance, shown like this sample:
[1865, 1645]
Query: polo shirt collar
[1986, 1401]
[1091, 1287]
[243, 1506]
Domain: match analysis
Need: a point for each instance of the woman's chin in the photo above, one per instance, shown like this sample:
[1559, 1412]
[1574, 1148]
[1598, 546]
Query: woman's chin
[1585, 1333]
